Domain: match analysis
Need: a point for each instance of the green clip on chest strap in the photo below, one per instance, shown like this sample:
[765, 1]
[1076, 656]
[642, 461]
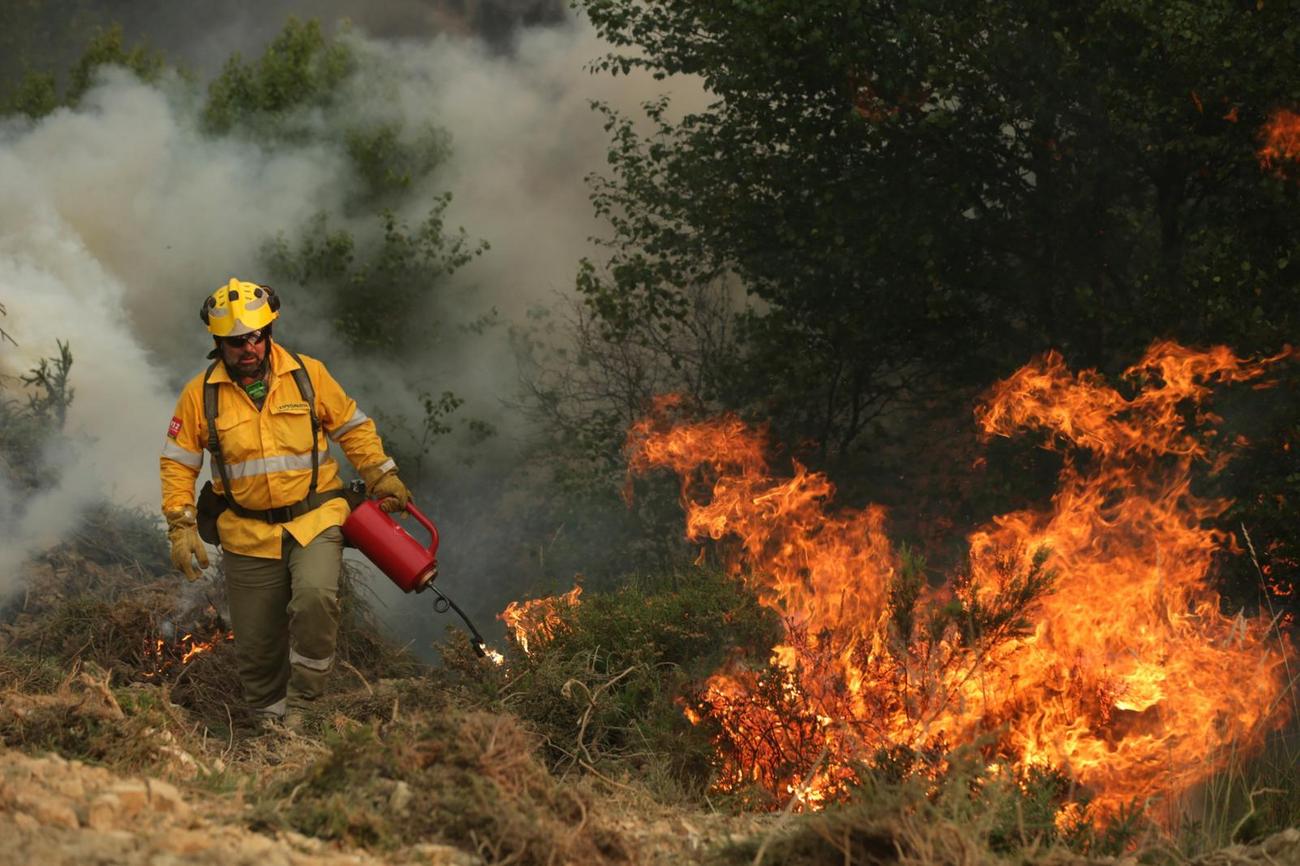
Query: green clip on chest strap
[284, 513]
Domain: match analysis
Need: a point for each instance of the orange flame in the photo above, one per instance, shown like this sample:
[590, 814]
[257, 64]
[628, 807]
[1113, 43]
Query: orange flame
[1281, 140]
[1129, 678]
[163, 655]
[536, 621]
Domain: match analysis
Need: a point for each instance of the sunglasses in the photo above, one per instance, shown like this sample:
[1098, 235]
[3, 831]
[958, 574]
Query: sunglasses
[244, 339]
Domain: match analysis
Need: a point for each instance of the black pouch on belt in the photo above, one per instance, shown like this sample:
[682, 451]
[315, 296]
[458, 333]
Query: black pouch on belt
[355, 493]
[208, 509]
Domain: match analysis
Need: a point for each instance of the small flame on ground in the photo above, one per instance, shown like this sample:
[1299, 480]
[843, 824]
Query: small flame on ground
[183, 650]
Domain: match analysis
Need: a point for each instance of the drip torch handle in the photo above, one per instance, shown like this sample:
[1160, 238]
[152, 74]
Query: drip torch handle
[427, 524]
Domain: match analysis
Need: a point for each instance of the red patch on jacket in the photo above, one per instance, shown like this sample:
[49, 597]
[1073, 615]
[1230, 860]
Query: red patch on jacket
[174, 428]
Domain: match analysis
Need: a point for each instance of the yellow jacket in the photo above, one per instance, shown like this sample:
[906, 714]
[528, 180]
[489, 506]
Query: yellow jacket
[268, 453]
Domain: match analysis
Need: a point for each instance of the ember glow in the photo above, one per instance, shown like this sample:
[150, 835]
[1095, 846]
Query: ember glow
[1086, 638]
[164, 655]
[535, 621]
[1281, 140]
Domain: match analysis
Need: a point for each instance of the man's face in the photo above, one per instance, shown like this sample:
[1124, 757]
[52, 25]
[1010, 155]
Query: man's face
[244, 354]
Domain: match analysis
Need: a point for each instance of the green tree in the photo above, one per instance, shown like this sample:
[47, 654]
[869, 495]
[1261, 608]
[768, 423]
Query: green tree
[920, 197]
[36, 93]
[27, 429]
[371, 287]
[300, 68]
[368, 282]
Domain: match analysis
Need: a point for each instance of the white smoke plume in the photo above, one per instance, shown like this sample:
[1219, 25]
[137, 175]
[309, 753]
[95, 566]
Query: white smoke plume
[116, 218]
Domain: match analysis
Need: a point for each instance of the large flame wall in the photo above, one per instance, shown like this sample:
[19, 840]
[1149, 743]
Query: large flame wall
[1127, 676]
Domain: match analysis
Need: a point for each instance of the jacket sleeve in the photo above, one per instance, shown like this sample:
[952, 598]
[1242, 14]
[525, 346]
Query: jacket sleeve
[182, 452]
[347, 425]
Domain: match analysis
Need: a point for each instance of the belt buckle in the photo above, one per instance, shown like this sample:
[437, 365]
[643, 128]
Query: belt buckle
[279, 515]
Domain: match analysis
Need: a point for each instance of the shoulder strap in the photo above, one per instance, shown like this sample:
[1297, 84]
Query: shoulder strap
[214, 441]
[309, 395]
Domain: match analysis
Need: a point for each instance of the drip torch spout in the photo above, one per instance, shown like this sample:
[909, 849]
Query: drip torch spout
[442, 603]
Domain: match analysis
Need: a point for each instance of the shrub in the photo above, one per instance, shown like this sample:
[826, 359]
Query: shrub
[606, 693]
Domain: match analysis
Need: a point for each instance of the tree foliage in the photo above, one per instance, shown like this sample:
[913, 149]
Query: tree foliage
[369, 288]
[30, 424]
[934, 192]
[37, 92]
[919, 198]
[300, 68]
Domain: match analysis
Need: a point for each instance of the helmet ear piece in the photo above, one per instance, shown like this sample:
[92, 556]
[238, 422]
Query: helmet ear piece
[203, 310]
[272, 298]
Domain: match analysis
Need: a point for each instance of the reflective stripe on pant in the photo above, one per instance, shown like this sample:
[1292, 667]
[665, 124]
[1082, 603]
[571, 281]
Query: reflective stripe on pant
[285, 614]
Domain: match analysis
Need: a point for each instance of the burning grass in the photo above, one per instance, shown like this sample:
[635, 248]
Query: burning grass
[969, 816]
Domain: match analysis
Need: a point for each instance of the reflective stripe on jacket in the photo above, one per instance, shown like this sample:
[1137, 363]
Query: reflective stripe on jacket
[268, 452]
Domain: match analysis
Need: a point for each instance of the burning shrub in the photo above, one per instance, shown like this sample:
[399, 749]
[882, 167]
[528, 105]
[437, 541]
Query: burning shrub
[1127, 676]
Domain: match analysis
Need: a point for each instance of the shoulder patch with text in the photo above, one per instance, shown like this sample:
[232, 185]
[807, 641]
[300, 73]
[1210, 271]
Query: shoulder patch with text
[174, 429]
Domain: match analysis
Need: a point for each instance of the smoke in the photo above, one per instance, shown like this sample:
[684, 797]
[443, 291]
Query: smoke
[116, 218]
[113, 218]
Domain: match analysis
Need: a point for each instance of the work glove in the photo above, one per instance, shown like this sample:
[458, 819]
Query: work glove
[183, 532]
[388, 489]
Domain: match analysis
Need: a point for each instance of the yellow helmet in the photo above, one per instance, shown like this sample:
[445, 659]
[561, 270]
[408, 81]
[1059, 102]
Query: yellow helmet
[239, 308]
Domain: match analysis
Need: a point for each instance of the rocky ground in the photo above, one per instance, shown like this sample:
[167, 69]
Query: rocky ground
[55, 811]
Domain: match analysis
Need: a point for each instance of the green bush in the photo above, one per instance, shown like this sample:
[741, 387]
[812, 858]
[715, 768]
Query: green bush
[607, 692]
[300, 68]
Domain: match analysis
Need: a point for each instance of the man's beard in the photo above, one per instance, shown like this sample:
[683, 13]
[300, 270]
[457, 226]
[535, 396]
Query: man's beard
[258, 372]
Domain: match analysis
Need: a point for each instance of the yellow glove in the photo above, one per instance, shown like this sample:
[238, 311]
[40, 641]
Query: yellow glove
[387, 488]
[183, 531]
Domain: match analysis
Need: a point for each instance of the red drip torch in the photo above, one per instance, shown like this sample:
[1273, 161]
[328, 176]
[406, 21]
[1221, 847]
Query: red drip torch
[400, 556]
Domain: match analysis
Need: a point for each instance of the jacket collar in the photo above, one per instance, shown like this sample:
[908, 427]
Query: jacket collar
[281, 363]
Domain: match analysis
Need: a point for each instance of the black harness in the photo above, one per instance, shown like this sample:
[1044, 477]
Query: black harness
[314, 499]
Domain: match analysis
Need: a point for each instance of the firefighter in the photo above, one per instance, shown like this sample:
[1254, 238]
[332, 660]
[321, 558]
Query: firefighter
[262, 412]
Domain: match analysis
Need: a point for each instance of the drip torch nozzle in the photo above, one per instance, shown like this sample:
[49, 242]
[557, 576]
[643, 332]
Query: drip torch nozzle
[443, 603]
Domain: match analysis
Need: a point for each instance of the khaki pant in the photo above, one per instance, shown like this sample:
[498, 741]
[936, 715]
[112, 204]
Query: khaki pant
[285, 615]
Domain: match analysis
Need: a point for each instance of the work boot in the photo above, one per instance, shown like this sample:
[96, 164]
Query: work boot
[270, 719]
[294, 720]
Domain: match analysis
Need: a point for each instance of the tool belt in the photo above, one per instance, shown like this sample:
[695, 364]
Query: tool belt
[211, 505]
